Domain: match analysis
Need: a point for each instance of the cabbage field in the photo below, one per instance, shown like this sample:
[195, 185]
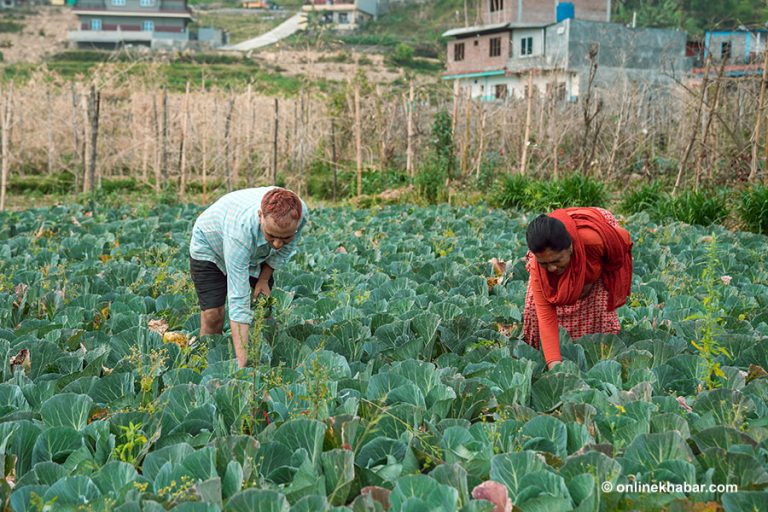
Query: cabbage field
[391, 374]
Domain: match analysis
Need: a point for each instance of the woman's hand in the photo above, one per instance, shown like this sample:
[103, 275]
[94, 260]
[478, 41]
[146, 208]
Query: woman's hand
[553, 364]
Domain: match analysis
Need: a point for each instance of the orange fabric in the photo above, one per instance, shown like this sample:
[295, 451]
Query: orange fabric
[600, 250]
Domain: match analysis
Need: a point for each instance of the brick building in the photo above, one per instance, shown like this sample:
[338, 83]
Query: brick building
[495, 60]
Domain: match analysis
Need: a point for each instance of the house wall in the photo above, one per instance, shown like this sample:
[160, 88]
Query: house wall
[477, 53]
[746, 47]
[543, 11]
[536, 34]
[128, 24]
[133, 5]
[370, 7]
[654, 55]
[485, 88]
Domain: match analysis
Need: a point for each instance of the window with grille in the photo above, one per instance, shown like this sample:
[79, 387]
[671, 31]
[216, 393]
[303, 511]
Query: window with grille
[501, 91]
[458, 52]
[526, 46]
[495, 47]
[497, 5]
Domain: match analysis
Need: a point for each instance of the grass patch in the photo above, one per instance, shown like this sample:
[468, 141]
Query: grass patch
[211, 70]
[10, 27]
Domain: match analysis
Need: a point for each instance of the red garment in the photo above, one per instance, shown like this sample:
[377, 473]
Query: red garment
[602, 257]
[589, 315]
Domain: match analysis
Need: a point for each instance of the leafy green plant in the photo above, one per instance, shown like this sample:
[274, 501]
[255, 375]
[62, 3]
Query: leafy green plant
[699, 207]
[135, 441]
[711, 318]
[646, 197]
[753, 209]
[515, 191]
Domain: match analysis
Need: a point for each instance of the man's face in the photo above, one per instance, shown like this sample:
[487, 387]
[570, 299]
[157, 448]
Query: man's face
[554, 261]
[277, 235]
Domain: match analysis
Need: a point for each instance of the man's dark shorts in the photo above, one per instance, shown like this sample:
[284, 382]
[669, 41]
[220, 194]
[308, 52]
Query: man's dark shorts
[211, 283]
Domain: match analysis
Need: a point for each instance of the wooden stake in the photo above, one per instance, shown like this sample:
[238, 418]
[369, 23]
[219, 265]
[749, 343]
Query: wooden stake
[183, 147]
[79, 149]
[409, 149]
[481, 141]
[228, 143]
[51, 148]
[164, 140]
[455, 111]
[527, 136]
[333, 156]
[467, 133]
[5, 126]
[156, 126]
[274, 141]
[358, 142]
[94, 103]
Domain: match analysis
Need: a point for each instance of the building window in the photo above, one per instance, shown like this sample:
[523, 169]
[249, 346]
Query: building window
[497, 5]
[495, 47]
[148, 26]
[725, 50]
[343, 18]
[526, 46]
[118, 2]
[147, 3]
[458, 52]
[501, 91]
[96, 24]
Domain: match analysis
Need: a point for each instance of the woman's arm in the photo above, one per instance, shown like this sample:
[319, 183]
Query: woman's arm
[546, 315]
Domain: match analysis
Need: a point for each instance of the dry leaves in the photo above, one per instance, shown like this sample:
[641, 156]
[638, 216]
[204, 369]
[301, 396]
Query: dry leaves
[158, 326]
[21, 359]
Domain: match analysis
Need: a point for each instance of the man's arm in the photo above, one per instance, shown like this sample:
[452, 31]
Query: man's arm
[237, 260]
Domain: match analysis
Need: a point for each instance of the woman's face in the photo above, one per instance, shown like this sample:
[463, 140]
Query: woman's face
[555, 262]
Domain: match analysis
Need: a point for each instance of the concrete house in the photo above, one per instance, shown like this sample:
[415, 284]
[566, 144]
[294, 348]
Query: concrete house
[742, 50]
[345, 14]
[113, 23]
[495, 60]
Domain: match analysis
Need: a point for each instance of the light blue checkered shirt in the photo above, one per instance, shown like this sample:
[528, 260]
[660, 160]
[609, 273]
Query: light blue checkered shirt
[228, 234]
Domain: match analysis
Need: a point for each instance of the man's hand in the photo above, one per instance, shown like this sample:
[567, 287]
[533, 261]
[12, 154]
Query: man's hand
[261, 288]
[553, 364]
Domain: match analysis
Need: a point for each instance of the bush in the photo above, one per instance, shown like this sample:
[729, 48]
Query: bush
[403, 55]
[56, 183]
[643, 198]
[576, 190]
[753, 209]
[700, 207]
[515, 191]
[109, 185]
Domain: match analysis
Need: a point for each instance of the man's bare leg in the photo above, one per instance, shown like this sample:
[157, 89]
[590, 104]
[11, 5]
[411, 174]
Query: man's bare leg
[212, 321]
